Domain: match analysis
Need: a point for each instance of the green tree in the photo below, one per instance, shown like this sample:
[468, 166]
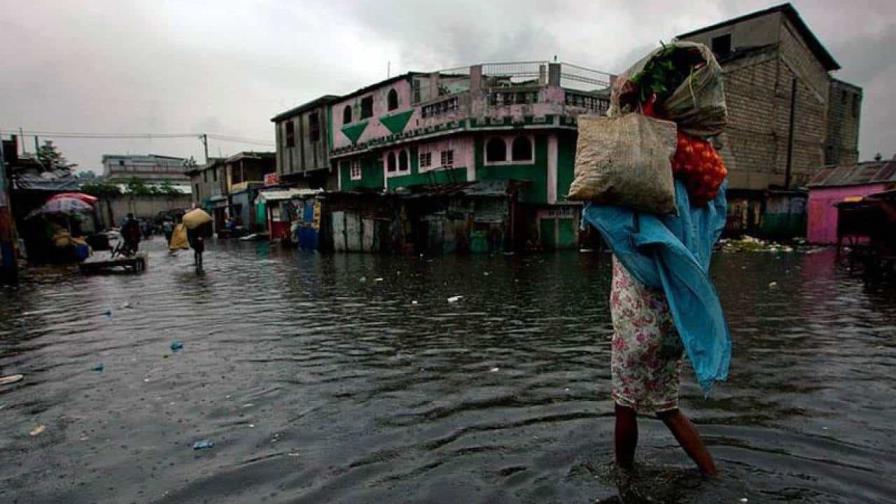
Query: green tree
[101, 188]
[168, 189]
[137, 187]
[49, 156]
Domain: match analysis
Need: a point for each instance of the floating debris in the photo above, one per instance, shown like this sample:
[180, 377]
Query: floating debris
[99, 367]
[38, 430]
[378, 279]
[362, 279]
[494, 369]
[203, 444]
[414, 302]
[126, 304]
[177, 346]
[750, 244]
[772, 285]
[454, 299]
[10, 379]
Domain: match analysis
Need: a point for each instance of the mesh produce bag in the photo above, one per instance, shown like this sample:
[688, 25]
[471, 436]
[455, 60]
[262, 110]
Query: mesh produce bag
[625, 160]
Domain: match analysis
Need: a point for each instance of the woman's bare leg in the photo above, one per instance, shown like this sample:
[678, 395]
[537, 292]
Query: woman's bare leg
[689, 439]
[626, 436]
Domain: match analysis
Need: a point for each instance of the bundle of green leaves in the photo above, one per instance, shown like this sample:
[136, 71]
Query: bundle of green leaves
[664, 73]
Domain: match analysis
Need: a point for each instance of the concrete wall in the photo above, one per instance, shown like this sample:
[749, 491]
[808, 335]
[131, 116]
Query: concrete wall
[140, 206]
[754, 32]
[758, 91]
[844, 114]
[822, 218]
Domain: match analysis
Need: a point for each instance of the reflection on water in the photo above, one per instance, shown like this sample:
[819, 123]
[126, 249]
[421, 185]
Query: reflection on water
[351, 378]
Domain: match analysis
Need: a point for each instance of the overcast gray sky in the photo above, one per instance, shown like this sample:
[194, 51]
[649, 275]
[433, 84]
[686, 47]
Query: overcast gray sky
[227, 67]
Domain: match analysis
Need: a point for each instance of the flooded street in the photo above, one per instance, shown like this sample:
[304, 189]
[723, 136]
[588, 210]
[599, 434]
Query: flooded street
[351, 378]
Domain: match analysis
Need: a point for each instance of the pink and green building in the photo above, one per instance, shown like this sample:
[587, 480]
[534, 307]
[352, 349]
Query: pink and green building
[513, 122]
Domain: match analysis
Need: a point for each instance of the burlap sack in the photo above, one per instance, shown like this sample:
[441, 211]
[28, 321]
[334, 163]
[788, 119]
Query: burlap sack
[697, 105]
[625, 161]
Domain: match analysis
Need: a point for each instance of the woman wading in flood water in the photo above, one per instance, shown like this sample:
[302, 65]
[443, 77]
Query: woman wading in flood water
[662, 214]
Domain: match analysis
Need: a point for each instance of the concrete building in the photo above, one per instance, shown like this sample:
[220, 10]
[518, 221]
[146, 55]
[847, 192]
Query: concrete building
[507, 122]
[226, 187]
[847, 182]
[778, 87]
[304, 139]
[787, 118]
[150, 168]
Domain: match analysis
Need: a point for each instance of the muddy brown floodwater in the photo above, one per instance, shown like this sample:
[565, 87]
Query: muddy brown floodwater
[351, 378]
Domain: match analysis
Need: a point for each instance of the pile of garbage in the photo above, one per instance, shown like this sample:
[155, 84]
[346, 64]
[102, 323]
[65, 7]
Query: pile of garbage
[747, 243]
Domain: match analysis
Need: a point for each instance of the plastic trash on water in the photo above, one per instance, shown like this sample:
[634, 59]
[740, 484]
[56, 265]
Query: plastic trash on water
[177, 346]
[772, 285]
[37, 430]
[203, 444]
[454, 299]
[99, 367]
[10, 379]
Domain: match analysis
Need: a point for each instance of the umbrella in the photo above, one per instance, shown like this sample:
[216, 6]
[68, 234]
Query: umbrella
[195, 218]
[86, 198]
[62, 206]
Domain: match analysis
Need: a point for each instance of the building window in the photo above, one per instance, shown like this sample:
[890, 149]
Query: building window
[347, 114]
[403, 160]
[855, 105]
[121, 162]
[314, 127]
[392, 99]
[721, 45]
[522, 149]
[356, 170]
[425, 159]
[290, 134]
[447, 158]
[366, 107]
[415, 89]
[495, 151]
[390, 162]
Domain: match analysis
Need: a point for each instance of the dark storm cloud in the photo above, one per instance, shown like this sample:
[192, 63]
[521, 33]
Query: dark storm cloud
[227, 67]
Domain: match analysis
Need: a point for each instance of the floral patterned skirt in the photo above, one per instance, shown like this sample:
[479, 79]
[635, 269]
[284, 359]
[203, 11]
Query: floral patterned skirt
[647, 352]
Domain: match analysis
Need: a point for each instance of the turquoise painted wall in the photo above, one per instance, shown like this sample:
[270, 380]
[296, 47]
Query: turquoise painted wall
[537, 173]
[371, 174]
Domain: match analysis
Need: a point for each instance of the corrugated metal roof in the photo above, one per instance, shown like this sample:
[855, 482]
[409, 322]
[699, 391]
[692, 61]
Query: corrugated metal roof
[867, 172]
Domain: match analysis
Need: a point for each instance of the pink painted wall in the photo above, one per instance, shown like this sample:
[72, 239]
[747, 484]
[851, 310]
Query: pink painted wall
[821, 227]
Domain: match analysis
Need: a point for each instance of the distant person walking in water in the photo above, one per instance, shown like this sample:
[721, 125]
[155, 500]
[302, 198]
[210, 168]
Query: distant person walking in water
[130, 233]
[197, 243]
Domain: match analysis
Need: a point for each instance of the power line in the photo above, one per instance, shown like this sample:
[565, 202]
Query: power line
[137, 136]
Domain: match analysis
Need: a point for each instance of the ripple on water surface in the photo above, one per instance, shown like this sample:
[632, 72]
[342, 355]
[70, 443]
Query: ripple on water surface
[351, 378]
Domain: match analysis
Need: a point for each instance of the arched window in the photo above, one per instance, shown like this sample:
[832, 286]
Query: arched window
[347, 114]
[390, 162]
[392, 99]
[522, 149]
[495, 150]
[403, 160]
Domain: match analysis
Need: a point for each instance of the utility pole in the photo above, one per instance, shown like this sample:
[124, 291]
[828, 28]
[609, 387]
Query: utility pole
[204, 138]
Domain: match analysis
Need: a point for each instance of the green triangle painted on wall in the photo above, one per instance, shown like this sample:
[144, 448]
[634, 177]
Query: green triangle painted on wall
[397, 122]
[353, 131]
